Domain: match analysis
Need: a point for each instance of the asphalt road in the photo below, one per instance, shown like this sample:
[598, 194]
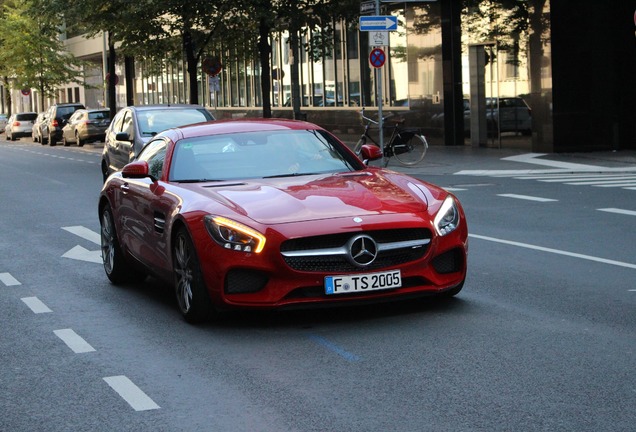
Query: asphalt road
[542, 338]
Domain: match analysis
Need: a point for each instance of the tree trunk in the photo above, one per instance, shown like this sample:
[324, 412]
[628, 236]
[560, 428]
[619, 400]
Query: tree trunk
[7, 95]
[295, 76]
[192, 62]
[112, 77]
[264, 50]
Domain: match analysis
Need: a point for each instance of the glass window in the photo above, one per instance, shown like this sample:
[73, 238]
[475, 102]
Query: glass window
[154, 153]
[127, 124]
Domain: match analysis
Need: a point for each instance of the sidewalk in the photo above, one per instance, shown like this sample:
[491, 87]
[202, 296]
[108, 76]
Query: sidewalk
[440, 160]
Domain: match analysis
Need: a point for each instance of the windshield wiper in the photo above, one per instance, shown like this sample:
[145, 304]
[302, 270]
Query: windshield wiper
[204, 180]
[290, 175]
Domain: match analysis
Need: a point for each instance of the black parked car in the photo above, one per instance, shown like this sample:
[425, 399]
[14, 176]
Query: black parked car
[56, 118]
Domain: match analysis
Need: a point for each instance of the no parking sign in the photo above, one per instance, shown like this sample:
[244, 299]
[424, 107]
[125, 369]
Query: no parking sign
[377, 57]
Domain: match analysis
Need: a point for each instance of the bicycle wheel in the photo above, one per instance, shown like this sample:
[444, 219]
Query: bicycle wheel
[409, 148]
[358, 147]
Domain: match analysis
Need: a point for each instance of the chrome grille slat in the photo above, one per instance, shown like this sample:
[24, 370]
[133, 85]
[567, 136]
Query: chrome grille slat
[330, 253]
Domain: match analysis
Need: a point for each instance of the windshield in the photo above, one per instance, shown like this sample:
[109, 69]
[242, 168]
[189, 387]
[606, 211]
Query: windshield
[151, 122]
[265, 154]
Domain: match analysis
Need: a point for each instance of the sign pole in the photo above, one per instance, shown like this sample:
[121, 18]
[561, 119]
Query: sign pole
[379, 95]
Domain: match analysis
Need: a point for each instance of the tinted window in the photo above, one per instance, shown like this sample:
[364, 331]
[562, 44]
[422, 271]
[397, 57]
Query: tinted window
[98, 115]
[66, 111]
[26, 116]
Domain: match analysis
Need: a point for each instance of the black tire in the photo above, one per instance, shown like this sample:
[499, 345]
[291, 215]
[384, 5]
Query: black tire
[65, 141]
[78, 140]
[51, 140]
[192, 295]
[116, 267]
[411, 151]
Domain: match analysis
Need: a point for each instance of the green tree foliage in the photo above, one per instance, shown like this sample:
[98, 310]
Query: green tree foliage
[297, 17]
[32, 56]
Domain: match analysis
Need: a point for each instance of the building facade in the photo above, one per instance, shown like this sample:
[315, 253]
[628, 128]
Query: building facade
[577, 80]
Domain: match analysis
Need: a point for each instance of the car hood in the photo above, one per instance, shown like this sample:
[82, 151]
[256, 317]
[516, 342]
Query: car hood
[310, 198]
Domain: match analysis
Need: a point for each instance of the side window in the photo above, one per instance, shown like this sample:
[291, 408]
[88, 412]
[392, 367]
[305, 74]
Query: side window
[76, 116]
[117, 121]
[154, 153]
[127, 125]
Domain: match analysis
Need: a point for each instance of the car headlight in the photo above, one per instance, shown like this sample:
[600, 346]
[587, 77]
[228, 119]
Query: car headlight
[447, 218]
[234, 235]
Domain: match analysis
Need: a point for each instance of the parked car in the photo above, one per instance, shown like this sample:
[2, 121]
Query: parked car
[19, 125]
[56, 118]
[273, 213]
[134, 126]
[3, 122]
[510, 114]
[86, 126]
[36, 130]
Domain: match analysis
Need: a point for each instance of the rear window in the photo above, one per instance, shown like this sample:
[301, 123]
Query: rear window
[67, 111]
[26, 116]
[99, 115]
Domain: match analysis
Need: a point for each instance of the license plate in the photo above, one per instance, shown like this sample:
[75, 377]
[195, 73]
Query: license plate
[363, 282]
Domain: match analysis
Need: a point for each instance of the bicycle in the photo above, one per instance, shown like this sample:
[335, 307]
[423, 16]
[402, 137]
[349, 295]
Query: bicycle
[408, 145]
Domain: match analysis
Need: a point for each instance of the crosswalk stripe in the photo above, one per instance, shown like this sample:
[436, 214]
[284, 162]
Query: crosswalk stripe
[597, 179]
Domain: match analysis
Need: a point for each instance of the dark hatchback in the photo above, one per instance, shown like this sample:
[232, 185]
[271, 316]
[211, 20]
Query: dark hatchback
[56, 118]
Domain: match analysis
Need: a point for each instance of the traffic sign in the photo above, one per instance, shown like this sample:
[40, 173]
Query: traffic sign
[377, 57]
[212, 66]
[378, 23]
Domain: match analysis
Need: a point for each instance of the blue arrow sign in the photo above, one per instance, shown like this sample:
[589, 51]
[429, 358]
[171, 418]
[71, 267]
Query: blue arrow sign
[381, 23]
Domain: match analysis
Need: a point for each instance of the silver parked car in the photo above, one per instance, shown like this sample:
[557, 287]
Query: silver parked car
[86, 125]
[134, 126]
[36, 131]
[3, 122]
[20, 125]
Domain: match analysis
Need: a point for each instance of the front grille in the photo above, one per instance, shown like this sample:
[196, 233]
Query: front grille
[307, 254]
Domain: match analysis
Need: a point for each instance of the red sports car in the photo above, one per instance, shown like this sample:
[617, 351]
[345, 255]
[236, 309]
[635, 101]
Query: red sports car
[276, 213]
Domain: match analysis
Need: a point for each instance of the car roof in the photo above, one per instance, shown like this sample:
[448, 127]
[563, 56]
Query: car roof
[229, 126]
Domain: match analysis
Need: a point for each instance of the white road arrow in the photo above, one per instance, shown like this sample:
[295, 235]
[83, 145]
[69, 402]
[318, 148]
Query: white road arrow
[83, 254]
[80, 253]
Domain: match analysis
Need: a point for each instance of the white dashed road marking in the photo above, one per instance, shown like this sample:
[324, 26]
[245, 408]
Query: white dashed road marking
[74, 341]
[131, 393]
[36, 305]
[9, 280]
[527, 197]
[618, 211]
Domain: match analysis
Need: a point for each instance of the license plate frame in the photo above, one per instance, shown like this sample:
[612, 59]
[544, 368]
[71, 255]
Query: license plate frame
[362, 282]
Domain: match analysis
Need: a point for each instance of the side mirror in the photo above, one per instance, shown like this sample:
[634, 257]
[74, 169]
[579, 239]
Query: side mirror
[370, 152]
[122, 136]
[138, 169]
